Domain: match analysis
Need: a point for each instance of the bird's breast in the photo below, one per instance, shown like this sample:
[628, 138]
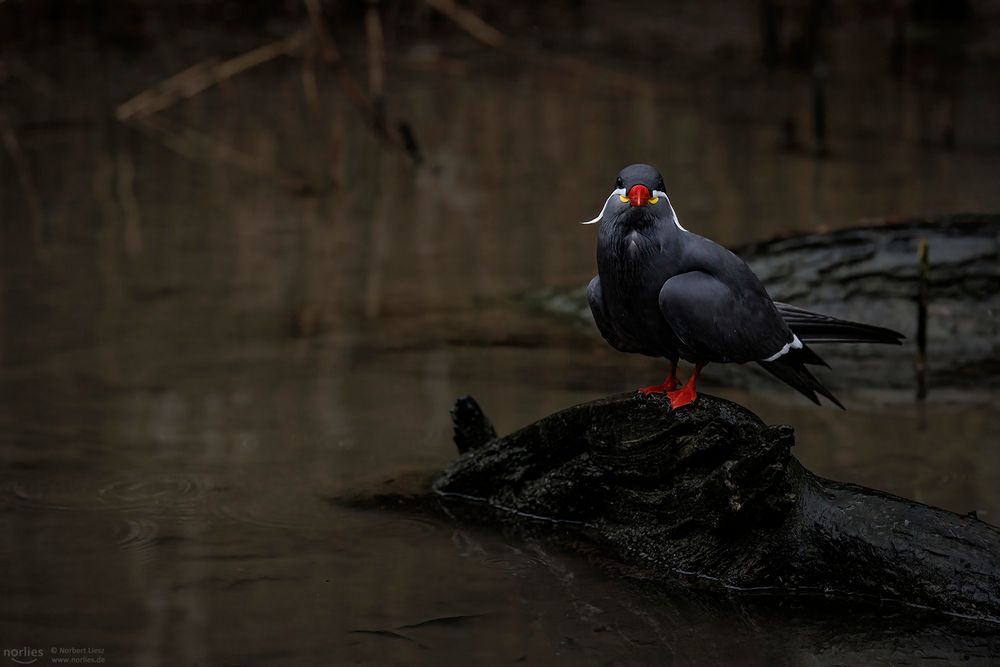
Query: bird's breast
[632, 267]
[633, 263]
[637, 246]
[629, 257]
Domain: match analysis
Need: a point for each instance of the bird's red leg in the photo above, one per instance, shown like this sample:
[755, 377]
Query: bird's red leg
[687, 393]
[668, 385]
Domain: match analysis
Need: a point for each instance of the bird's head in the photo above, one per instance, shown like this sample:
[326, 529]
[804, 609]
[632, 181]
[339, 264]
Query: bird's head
[639, 198]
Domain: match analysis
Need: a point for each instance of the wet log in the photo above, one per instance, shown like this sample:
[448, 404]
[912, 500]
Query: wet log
[935, 280]
[875, 274]
[711, 492]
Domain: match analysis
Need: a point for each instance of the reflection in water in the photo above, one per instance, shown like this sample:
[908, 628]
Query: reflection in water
[192, 357]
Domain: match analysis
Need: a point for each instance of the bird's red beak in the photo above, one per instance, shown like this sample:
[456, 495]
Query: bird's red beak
[639, 195]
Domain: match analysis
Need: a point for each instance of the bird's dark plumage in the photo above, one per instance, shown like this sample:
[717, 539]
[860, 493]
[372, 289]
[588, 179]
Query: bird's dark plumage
[665, 292]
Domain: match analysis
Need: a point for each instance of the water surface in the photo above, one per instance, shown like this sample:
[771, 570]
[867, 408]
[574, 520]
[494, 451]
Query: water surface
[196, 356]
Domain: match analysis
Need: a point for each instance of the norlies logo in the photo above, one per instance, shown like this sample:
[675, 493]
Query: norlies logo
[24, 655]
[77, 655]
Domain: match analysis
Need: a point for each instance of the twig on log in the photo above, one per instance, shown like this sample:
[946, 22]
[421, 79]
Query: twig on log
[27, 183]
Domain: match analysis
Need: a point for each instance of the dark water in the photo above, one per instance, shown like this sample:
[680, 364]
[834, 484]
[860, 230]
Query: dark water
[195, 355]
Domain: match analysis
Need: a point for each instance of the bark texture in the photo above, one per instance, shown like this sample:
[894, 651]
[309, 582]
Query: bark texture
[709, 490]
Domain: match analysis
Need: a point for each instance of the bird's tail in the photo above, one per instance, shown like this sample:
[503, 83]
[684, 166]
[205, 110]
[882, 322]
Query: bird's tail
[812, 327]
[790, 368]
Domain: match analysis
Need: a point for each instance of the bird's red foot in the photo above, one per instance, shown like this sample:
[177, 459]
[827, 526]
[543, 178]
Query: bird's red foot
[668, 386]
[686, 394]
[682, 396]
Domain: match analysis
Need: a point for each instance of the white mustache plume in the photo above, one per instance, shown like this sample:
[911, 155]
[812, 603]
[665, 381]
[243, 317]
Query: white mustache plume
[616, 193]
[620, 192]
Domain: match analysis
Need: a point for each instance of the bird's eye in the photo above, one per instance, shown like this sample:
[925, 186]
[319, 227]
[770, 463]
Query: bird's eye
[620, 183]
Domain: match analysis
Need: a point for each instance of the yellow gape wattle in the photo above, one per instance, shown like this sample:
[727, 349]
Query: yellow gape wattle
[652, 200]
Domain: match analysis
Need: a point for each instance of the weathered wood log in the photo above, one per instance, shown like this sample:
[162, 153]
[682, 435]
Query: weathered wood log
[874, 274]
[712, 492]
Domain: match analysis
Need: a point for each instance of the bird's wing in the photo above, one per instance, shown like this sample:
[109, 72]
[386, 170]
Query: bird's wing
[738, 324]
[813, 327]
[616, 338]
[724, 322]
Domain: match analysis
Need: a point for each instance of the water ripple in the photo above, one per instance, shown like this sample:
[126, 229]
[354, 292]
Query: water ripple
[178, 494]
[174, 494]
[274, 510]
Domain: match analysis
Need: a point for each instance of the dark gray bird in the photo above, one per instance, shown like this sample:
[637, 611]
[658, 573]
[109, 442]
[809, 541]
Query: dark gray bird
[665, 292]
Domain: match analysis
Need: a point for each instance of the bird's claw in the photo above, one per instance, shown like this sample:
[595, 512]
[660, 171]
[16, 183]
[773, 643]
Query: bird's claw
[668, 386]
[684, 396]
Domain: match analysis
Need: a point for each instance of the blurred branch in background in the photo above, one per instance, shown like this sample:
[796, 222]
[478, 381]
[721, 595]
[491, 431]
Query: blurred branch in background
[197, 145]
[483, 32]
[13, 148]
[470, 23]
[332, 57]
[312, 42]
[202, 76]
[350, 49]
[15, 69]
[371, 106]
[376, 63]
[142, 109]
